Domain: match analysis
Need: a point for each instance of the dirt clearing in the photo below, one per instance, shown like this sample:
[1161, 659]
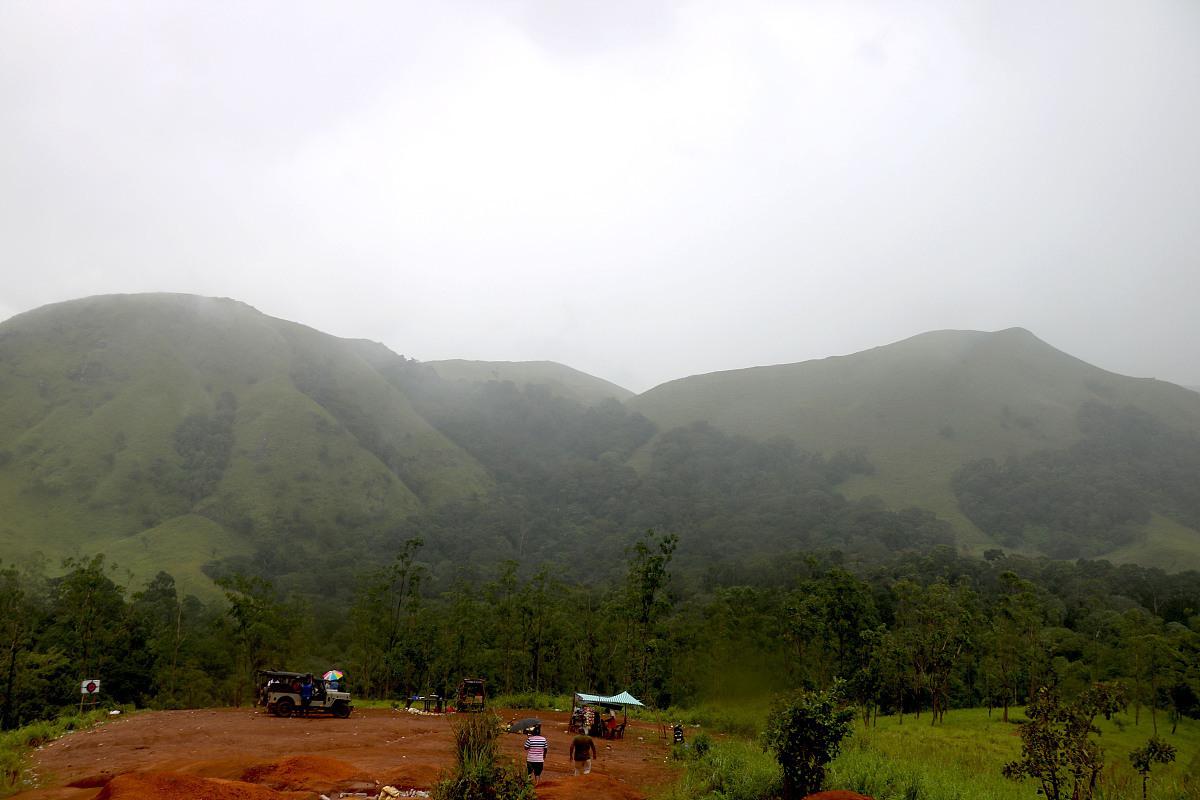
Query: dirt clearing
[246, 754]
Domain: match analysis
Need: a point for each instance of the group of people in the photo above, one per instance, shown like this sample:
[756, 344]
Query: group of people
[581, 752]
[588, 721]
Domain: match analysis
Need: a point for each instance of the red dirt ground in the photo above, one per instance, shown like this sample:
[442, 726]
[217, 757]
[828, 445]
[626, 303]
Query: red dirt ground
[246, 754]
[840, 794]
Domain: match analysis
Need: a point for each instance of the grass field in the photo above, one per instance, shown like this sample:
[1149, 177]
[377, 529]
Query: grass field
[961, 758]
[1167, 545]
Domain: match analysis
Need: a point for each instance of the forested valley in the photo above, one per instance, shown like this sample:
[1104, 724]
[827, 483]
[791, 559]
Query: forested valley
[920, 634]
[761, 577]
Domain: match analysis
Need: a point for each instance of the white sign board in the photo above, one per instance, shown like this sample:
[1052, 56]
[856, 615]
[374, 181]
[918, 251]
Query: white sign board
[90, 687]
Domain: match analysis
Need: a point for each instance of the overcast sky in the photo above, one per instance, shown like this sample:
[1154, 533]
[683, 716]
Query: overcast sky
[642, 190]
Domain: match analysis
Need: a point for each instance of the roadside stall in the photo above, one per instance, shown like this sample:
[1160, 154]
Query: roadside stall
[586, 716]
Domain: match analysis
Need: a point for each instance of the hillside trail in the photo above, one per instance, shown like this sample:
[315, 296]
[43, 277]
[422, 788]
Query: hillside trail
[246, 754]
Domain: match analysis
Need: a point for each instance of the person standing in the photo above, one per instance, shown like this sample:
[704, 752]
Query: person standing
[306, 694]
[583, 750]
[536, 747]
[589, 719]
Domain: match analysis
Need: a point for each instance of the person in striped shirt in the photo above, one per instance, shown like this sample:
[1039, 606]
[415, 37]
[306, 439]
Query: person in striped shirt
[535, 753]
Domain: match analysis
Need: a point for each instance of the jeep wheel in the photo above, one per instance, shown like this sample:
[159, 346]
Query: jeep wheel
[341, 709]
[284, 707]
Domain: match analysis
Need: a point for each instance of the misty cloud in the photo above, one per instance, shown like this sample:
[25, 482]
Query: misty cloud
[640, 190]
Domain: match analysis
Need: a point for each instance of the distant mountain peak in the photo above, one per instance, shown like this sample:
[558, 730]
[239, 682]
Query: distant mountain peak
[559, 378]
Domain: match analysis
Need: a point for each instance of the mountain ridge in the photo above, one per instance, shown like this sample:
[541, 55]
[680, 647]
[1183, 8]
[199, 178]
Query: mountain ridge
[175, 431]
[122, 413]
[920, 407]
[559, 378]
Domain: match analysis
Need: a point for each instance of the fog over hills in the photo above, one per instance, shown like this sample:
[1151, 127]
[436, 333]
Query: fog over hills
[173, 429]
[920, 407]
[558, 378]
[198, 435]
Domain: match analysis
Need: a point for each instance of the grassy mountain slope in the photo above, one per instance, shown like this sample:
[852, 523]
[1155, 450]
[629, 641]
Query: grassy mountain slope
[172, 431]
[1168, 545]
[197, 426]
[562, 380]
[920, 408]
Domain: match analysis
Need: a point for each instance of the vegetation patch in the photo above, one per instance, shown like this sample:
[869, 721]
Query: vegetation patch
[16, 744]
[1093, 496]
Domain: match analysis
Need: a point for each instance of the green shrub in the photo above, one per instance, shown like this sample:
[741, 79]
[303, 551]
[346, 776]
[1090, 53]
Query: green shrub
[476, 775]
[805, 732]
[733, 770]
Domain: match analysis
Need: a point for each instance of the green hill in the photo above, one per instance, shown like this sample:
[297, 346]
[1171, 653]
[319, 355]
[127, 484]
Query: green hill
[921, 408]
[174, 430]
[561, 380]
[200, 436]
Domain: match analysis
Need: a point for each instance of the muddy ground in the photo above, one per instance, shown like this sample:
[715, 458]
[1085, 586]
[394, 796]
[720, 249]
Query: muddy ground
[246, 754]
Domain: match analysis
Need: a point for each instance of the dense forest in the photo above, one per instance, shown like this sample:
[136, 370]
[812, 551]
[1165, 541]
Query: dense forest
[575, 482]
[1087, 498]
[919, 634]
[567, 495]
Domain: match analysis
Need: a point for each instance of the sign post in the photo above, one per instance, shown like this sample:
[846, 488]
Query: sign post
[89, 690]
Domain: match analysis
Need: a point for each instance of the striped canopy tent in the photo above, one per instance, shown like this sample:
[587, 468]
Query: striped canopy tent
[622, 701]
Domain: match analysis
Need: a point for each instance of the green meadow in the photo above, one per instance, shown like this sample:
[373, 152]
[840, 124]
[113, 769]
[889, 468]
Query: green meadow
[909, 759]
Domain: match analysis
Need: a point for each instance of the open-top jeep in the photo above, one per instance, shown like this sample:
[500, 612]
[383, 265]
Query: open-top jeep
[280, 693]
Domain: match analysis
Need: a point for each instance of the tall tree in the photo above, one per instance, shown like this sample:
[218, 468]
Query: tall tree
[92, 627]
[935, 621]
[264, 630]
[17, 624]
[647, 601]
[385, 607]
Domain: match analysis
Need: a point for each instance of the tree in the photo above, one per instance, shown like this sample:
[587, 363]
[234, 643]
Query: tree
[804, 627]
[158, 611]
[1012, 639]
[1155, 751]
[504, 601]
[386, 606]
[646, 602]
[16, 625]
[1150, 660]
[1183, 693]
[263, 627]
[1056, 745]
[805, 731]
[92, 626]
[935, 623]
